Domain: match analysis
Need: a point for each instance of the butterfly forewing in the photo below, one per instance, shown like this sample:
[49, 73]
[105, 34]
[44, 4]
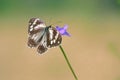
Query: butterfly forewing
[35, 30]
[35, 25]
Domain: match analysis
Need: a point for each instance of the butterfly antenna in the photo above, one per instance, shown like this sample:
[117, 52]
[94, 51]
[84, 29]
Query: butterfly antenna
[56, 22]
[50, 20]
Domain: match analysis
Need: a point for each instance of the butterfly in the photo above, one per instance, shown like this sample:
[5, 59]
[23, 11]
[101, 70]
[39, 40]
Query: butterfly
[41, 36]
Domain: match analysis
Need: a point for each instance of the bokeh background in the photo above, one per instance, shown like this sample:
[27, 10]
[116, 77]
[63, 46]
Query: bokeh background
[93, 48]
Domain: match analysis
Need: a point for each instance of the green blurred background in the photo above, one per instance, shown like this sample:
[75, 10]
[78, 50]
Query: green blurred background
[93, 48]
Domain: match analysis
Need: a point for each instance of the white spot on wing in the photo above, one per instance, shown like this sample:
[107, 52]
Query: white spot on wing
[42, 25]
[31, 26]
[56, 36]
[51, 34]
[51, 42]
[39, 26]
[54, 40]
[31, 29]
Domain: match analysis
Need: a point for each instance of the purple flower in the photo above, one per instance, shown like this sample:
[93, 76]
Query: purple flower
[63, 30]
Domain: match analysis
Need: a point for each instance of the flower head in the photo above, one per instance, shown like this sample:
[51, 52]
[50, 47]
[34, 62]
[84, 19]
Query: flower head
[63, 30]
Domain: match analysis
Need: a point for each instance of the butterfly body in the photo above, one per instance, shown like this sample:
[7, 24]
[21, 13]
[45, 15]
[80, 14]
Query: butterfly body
[41, 36]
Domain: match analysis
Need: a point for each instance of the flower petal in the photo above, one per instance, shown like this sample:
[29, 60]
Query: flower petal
[65, 27]
[66, 33]
[63, 30]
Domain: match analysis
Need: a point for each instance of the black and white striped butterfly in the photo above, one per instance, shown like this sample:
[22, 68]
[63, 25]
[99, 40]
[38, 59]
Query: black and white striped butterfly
[41, 36]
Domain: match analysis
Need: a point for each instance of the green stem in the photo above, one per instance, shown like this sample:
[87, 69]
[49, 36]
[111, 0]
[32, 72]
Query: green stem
[68, 62]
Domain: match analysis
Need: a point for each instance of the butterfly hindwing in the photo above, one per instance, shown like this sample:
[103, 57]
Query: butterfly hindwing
[41, 49]
[42, 45]
[53, 37]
